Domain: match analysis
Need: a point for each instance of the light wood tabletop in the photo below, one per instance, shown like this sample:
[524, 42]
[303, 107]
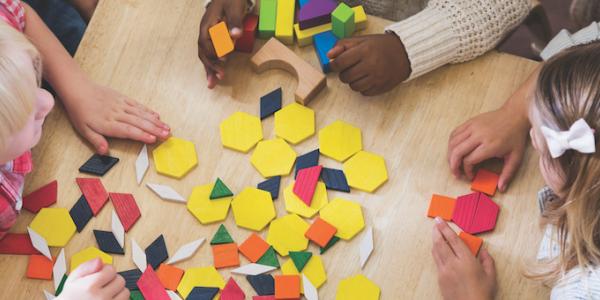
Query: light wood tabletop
[147, 50]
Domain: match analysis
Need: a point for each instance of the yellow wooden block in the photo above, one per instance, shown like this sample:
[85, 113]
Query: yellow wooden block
[340, 140]
[305, 37]
[365, 171]
[344, 215]
[360, 18]
[284, 30]
[55, 225]
[206, 277]
[241, 131]
[295, 123]
[314, 271]
[205, 209]
[357, 287]
[287, 234]
[88, 254]
[273, 157]
[175, 157]
[253, 209]
[293, 204]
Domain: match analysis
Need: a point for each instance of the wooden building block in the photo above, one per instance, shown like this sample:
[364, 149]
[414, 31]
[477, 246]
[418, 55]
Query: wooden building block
[126, 208]
[94, 192]
[306, 183]
[473, 242]
[441, 206]
[284, 28]
[315, 13]
[342, 21]
[323, 43]
[219, 35]
[360, 18]
[39, 267]
[305, 36]
[226, 255]
[17, 244]
[320, 232]
[246, 42]
[267, 18]
[40, 198]
[276, 55]
[169, 276]
[150, 286]
[254, 247]
[485, 182]
[287, 286]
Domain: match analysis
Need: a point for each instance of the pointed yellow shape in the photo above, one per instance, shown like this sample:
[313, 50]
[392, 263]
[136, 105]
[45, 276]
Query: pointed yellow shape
[357, 287]
[253, 209]
[206, 277]
[241, 131]
[344, 215]
[175, 157]
[293, 204]
[339, 140]
[360, 17]
[287, 234]
[314, 271]
[365, 171]
[88, 254]
[295, 123]
[273, 157]
[205, 209]
[55, 225]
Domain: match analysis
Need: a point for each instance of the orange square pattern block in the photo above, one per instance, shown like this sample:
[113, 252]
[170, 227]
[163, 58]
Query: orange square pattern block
[219, 34]
[40, 267]
[485, 182]
[441, 206]
[473, 242]
[169, 276]
[226, 255]
[254, 247]
[320, 232]
[287, 287]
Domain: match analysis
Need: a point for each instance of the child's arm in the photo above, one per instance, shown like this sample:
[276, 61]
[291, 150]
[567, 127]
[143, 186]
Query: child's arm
[501, 133]
[93, 280]
[94, 110]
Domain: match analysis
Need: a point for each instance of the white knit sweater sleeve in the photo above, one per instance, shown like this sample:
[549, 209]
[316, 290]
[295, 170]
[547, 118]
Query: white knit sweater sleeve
[453, 31]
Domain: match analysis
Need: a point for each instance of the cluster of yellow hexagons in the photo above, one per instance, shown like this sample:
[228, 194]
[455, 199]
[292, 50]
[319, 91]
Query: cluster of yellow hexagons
[339, 140]
[273, 158]
[344, 215]
[207, 210]
[365, 171]
[295, 123]
[175, 157]
[253, 209]
[287, 234]
[241, 131]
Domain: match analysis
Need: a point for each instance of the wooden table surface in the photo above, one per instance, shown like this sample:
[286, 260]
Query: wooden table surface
[147, 50]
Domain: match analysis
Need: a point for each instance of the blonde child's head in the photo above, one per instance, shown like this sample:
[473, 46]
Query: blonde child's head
[23, 104]
[568, 89]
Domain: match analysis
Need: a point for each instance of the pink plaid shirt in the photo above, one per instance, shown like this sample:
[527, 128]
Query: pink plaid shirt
[13, 13]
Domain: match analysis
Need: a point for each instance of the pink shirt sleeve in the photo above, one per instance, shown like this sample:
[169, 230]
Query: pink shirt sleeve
[13, 13]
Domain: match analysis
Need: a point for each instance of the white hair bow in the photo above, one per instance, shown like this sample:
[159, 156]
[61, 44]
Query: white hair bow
[580, 137]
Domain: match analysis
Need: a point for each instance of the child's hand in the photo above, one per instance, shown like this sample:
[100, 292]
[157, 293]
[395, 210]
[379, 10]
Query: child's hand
[370, 64]
[496, 134]
[460, 274]
[97, 111]
[230, 11]
[93, 280]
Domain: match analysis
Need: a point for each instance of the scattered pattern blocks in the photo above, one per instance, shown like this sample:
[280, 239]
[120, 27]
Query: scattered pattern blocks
[169, 276]
[293, 204]
[107, 242]
[273, 157]
[156, 253]
[81, 213]
[295, 123]
[342, 21]
[221, 40]
[344, 215]
[475, 213]
[241, 131]
[320, 232]
[126, 208]
[335, 180]
[42, 197]
[94, 192]
[246, 42]
[54, 225]
[287, 234]
[263, 284]
[39, 267]
[254, 247]
[270, 103]
[271, 185]
[340, 140]
[441, 206]
[473, 242]
[207, 210]
[267, 18]
[253, 209]
[323, 43]
[485, 182]
[225, 255]
[220, 190]
[98, 164]
[151, 287]
[307, 160]
[366, 171]
[232, 291]
[287, 287]
[175, 157]
[306, 182]
[284, 26]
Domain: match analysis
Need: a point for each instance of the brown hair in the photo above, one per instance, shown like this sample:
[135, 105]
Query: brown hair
[568, 89]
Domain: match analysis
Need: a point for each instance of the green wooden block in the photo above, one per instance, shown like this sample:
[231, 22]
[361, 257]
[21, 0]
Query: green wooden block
[220, 190]
[331, 242]
[269, 258]
[267, 18]
[342, 21]
[136, 295]
[300, 259]
[221, 237]
[61, 285]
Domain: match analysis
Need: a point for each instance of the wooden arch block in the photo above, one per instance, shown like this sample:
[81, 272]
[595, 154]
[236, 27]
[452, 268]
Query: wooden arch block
[275, 55]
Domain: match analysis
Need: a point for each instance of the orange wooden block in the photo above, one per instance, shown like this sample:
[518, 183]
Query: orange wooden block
[219, 34]
[441, 206]
[226, 255]
[473, 242]
[169, 276]
[254, 247]
[485, 182]
[287, 287]
[40, 267]
[320, 232]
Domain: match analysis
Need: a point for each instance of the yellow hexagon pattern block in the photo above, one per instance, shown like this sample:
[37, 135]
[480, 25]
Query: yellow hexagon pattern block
[207, 210]
[287, 234]
[273, 157]
[295, 123]
[253, 209]
[175, 157]
[293, 204]
[357, 287]
[55, 225]
[339, 140]
[314, 271]
[241, 131]
[366, 171]
[88, 254]
[206, 277]
[344, 215]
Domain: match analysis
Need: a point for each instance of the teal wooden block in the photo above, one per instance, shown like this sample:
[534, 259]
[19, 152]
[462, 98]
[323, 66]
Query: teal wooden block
[342, 21]
[267, 19]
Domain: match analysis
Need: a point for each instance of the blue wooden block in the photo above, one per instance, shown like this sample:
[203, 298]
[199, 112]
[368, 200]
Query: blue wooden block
[270, 103]
[131, 278]
[263, 284]
[323, 42]
[157, 253]
[310, 159]
[335, 180]
[107, 242]
[98, 164]
[271, 185]
[203, 293]
[81, 213]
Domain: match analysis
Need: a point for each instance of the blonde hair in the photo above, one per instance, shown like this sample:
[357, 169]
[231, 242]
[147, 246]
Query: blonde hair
[17, 91]
[568, 88]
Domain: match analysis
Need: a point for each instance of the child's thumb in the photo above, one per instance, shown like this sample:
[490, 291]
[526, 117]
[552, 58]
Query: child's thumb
[86, 268]
[489, 266]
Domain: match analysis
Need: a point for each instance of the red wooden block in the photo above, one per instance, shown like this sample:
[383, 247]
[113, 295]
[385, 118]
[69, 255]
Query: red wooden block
[475, 213]
[268, 297]
[40, 198]
[232, 291]
[485, 182]
[17, 243]
[246, 42]
[151, 287]
[306, 182]
[39, 267]
[94, 193]
[126, 208]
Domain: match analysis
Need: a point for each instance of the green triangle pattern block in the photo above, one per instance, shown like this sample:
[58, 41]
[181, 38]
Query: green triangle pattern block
[300, 259]
[220, 190]
[269, 258]
[331, 242]
[221, 237]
